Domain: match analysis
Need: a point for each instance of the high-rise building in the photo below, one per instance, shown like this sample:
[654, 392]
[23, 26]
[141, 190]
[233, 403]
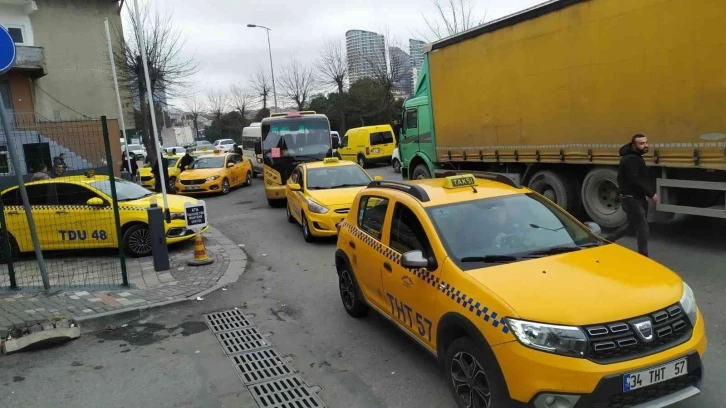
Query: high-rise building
[416, 50]
[366, 53]
[402, 63]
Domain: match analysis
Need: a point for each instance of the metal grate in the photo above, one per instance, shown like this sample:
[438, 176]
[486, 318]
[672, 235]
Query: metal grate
[228, 320]
[261, 365]
[288, 392]
[241, 340]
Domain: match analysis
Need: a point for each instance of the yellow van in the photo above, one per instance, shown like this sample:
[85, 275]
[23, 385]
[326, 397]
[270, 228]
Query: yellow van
[368, 144]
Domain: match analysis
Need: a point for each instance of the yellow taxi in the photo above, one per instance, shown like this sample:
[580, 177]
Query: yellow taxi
[522, 304]
[319, 195]
[215, 173]
[76, 213]
[147, 177]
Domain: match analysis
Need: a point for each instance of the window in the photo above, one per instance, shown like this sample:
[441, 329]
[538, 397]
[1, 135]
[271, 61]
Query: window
[296, 177]
[379, 138]
[40, 194]
[407, 233]
[344, 143]
[72, 194]
[16, 33]
[234, 158]
[12, 198]
[412, 119]
[371, 214]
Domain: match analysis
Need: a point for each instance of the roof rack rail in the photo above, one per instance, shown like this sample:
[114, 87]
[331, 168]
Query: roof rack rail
[501, 178]
[414, 190]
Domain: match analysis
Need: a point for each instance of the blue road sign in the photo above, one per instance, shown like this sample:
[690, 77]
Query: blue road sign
[7, 50]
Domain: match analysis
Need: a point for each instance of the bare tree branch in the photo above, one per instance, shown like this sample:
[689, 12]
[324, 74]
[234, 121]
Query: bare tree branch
[240, 99]
[297, 82]
[217, 102]
[389, 68]
[261, 84]
[333, 64]
[194, 108]
[451, 18]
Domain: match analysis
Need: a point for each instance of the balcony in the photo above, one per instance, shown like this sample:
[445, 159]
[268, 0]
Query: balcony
[30, 60]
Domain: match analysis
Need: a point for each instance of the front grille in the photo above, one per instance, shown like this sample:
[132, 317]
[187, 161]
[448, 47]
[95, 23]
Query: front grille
[651, 392]
[147, 178]
[618, 341]
[191, 182]
[342, 210]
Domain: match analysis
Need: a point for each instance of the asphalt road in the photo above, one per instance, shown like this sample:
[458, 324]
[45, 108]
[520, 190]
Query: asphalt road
[290, 290]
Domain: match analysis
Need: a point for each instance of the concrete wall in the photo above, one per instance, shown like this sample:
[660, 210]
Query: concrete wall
[76, 53]
[12, 15]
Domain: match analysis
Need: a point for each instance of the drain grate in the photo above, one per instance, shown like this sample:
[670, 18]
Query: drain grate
[241, 340]
[261, 365]
[288, 392]
[228, 320]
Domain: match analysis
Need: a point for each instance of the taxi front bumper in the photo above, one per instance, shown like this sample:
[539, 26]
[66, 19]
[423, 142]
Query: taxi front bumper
[198, 186]
[179, 233]
[326, 225]
[534, 376]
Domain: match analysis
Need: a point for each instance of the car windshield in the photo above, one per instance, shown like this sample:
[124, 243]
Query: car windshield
[135, 147]
[208, 163]
[125, 190]
[508, 228]
[337, 177]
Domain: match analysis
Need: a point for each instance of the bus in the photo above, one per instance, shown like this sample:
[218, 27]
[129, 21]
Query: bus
[289, 139]
[250, 136]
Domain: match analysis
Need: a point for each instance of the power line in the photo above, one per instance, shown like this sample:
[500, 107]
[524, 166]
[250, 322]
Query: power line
[63, 104]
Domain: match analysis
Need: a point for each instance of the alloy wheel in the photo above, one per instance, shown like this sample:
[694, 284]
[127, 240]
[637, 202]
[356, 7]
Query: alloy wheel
[347, 291]
[470, 381]
[140, 241]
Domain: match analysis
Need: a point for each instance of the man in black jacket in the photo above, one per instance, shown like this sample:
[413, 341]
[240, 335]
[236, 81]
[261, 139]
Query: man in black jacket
[634, 190]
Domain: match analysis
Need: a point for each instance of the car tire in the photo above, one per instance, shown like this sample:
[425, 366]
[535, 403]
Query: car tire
[362, 161]
[421, 172]
[137, 240]
[307, 234]
[248, 178]
[225, 187]
[350, 294]
[396, 166]
[290, 218]
[467, 362]
[14, 249]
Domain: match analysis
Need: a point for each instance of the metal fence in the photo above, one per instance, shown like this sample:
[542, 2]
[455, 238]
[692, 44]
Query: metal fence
[66, 166]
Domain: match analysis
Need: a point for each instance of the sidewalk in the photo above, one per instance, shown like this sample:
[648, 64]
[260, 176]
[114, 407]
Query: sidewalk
[96, 310]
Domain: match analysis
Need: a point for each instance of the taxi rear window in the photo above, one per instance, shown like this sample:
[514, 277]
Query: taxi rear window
[510, 226]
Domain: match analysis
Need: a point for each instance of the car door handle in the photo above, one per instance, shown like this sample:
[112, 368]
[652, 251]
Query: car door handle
[61, 212]
[352, 245]
[13, 213]
[387, 266]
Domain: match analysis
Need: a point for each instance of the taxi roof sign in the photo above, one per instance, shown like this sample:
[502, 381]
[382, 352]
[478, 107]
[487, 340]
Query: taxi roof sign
[460, 181]
[328, 160]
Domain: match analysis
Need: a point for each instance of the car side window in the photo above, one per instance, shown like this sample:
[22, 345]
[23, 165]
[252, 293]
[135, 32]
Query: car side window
[41, 194]
[412, 119]
[344, 143]
[295, 176]
[407, 233]
[12, 198]
[372, 214]
[73, 194]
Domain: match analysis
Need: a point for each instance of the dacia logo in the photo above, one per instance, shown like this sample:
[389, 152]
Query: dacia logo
[644, 329]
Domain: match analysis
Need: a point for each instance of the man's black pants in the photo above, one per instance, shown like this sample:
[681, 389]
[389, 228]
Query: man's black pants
[637, 211]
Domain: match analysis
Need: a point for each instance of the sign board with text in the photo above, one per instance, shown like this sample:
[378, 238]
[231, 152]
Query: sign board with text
[195, 215]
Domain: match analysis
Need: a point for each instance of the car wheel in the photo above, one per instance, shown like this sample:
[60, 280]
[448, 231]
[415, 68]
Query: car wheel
[290, 218]
[137, 240]
[307, 234]
[474, 377]
[14, 249]
[421, 172]
[396, 166]
[362, 161]
[350, 295]
[248, 178]
[225, 186]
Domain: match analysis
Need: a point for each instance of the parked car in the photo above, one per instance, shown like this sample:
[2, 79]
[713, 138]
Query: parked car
[139, 151]
[224, 145]
[176, 150]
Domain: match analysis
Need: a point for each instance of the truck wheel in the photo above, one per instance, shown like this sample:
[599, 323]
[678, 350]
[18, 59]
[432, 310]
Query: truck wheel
[557, 188]
[421, 172]
[600, 197]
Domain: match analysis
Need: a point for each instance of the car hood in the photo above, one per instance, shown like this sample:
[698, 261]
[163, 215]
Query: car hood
[199, 174]
[335, 196]
[176, 202]
[590, 286]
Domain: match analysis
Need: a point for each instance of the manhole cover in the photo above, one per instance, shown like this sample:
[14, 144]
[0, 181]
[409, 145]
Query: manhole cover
[241, 340]
[288, 392]
[261, 365]
[229, 320]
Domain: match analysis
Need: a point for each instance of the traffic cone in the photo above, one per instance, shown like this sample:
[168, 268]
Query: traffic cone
[200, 253]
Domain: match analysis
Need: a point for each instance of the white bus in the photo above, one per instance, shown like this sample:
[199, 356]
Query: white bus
[250, 135]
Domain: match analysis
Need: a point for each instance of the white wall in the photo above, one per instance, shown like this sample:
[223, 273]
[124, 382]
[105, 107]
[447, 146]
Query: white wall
[14, 16]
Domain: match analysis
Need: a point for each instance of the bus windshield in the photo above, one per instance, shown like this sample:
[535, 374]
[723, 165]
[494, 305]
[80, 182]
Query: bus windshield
[304, 138]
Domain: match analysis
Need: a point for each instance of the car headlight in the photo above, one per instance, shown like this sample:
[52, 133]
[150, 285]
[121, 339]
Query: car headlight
[315, 207]
[688, 303]
[212, 178]
[177, 215]
[564, 340]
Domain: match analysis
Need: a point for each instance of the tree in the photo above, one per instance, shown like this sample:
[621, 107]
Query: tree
[297, 82]
[240, 99]
[452, 17]
[217, 102]
[388, 70]
[168, 71]
[333, 67]
[194, 107]
[260, 84]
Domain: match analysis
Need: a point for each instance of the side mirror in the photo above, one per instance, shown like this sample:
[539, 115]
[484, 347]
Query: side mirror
[294, 187]
[414, 259]
[230, 165]
[336, 144]
[95, 202]
[593, 227]
[378, 178]
[258, 148]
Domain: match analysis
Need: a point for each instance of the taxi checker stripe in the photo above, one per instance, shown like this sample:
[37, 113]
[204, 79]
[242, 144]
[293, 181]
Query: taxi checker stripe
[461, 298]
[75, 207]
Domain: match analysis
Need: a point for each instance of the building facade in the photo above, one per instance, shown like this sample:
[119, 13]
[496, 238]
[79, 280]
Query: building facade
[416, 51]
[402, 61]
[366, 52]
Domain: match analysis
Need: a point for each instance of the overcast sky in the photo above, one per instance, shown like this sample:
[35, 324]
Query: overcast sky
[227, 51]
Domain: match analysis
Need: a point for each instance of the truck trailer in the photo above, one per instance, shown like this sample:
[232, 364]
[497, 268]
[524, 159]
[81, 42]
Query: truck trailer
[549, 95]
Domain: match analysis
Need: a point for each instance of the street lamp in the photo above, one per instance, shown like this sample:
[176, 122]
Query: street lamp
[274, 91]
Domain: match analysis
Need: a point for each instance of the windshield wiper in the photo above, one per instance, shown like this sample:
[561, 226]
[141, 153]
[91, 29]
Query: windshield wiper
[349, 185]
[490, 258]
[552, 251]
[135, 198]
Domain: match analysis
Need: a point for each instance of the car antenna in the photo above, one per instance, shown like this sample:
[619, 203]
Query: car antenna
[474, 188]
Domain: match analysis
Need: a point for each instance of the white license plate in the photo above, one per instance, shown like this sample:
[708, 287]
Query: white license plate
[655, 375]
[376, 150]
[192, 188]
